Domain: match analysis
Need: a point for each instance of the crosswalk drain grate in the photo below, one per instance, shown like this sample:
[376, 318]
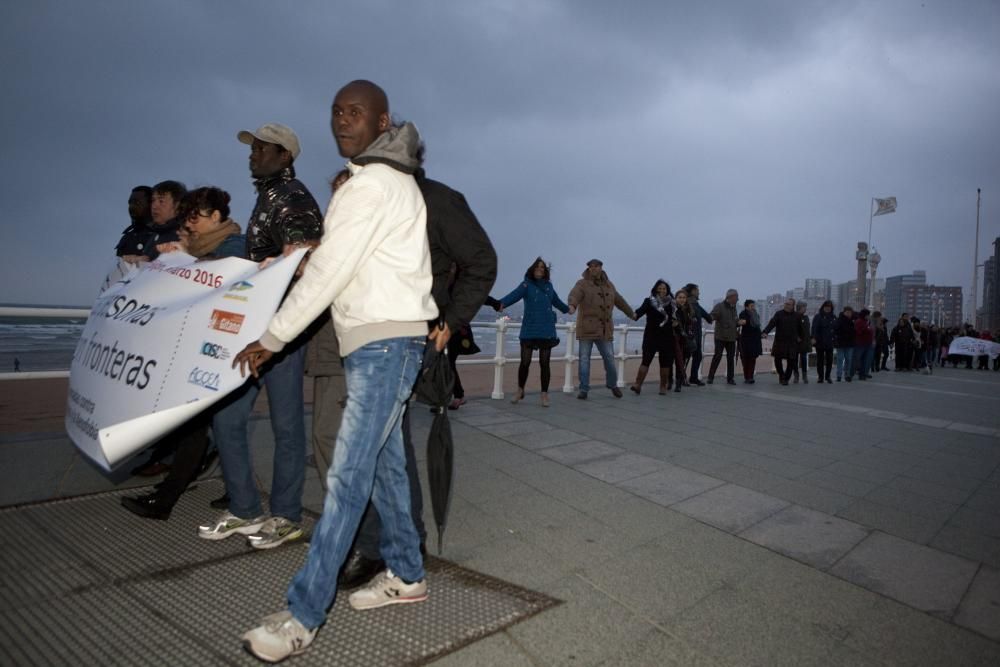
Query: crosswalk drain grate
[85, 582]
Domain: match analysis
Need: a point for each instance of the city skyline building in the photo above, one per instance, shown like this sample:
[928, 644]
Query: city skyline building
[818, 288]
[894, 292]
[990, 312]
[936, 304]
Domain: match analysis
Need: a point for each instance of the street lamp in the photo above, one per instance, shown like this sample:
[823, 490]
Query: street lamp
[873, 259]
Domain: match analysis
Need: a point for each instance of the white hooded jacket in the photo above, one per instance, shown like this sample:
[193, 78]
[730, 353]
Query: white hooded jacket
[372, 267]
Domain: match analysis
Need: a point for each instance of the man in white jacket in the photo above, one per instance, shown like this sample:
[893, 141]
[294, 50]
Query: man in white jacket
[373, 271]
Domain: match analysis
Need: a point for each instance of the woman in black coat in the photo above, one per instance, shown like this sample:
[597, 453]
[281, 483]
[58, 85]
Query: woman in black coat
[822, 339]
[658, 337]
[749, 340]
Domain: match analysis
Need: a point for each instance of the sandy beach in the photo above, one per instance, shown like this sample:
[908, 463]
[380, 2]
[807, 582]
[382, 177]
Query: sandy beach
[38, 406]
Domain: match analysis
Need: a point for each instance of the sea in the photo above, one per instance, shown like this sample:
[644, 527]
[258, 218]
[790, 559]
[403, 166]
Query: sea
[38, 344]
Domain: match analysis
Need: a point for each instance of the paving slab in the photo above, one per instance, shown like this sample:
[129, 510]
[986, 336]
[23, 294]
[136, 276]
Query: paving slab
[968, 542]
[913, 503]
[670, 484]
[980, 610]
[545, 438]
[516, 428]
[581, 452]
[620, 468]
[738, 629]
[919, 576]
[849, 486]
[987, 523]
[811, 495]
[913, 527]
[987, 499]
[730, 507]
[815, 538]
[862, 472]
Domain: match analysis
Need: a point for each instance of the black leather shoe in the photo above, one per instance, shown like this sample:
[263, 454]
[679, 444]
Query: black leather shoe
[711, 380]
[149, 507]
[697, 383]
[220, 503]
[358, 570]
[616, 392]
[730, 381]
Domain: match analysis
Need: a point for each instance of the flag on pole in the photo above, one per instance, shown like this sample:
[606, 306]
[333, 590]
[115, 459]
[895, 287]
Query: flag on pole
[887, 205]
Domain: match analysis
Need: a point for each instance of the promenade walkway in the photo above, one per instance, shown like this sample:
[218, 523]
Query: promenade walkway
[750, 525]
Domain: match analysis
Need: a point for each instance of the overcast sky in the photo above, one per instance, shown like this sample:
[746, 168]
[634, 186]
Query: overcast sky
[732, 144]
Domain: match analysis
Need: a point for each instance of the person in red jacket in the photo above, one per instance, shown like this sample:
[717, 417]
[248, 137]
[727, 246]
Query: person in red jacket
[864, 345]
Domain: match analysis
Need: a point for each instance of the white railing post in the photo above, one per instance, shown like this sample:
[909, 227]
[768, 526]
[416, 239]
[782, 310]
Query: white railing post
[568, 385]
[499, 359]
[622, 354]
[704, 337]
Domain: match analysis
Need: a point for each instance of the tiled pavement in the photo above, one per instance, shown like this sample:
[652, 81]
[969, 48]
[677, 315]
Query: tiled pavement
[811, 524]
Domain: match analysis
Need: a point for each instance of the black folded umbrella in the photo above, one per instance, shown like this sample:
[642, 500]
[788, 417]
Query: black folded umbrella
[434, 387]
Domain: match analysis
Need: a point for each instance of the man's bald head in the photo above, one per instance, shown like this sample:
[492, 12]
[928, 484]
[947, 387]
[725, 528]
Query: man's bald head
[360, 114]
[376, 96]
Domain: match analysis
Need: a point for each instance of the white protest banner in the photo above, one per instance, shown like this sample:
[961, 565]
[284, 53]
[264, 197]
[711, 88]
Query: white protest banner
[158, 348]
[974, 347]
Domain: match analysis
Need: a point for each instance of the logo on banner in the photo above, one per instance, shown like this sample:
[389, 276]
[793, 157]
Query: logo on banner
[214, 350]
[226, 322]
[240, 286]
[202, 378]
[130, 311]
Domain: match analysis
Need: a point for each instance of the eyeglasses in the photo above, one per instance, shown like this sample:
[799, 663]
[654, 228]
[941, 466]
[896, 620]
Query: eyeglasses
[198, 214]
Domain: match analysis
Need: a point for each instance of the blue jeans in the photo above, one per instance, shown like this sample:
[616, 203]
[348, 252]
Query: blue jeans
[368, 462]
[230, 425]
[844, 357]
[863, 361]
[369, 535]
[606, 348]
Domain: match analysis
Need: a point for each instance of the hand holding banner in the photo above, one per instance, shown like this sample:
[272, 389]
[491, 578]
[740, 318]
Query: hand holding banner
[157, 348]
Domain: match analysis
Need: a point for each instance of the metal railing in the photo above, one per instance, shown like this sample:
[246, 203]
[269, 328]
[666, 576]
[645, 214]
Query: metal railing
[499, 359]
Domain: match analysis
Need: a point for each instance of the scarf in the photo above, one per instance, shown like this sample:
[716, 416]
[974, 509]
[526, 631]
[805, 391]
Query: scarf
[200, 245]
[662, 305]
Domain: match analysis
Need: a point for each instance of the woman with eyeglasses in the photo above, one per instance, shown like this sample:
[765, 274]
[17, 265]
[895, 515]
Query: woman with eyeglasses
[209, 234]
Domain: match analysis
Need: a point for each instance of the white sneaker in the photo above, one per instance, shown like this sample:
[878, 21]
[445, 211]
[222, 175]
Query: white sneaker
[229, 524]
[274, 532]
[387, 588]
[279, 636]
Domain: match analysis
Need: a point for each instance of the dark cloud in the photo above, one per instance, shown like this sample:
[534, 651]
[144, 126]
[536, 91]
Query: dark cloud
[732, 144]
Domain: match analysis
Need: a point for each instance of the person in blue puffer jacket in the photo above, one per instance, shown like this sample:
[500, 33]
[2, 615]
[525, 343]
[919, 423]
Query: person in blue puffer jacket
[538, 328]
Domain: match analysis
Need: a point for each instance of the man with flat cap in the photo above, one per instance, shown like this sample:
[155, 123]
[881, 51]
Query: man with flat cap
[595, 297]
[285, 215]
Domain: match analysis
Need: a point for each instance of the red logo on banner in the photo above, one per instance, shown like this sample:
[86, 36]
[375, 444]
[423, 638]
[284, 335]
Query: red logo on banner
[225, 321]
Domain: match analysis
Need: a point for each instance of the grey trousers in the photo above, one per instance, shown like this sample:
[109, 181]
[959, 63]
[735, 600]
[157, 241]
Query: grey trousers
[329, 399]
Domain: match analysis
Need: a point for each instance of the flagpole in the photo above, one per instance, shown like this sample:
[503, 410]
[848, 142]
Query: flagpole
[871, 216]
[975, 262]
